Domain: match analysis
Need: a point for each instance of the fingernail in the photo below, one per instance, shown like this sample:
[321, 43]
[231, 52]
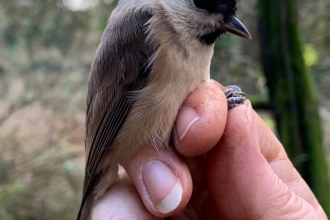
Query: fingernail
[163, 186]
[249, 111]
[187, 116]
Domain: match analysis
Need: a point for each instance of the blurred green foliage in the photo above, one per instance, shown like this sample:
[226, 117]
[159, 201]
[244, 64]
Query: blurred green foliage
[46, 48]
[310, 55]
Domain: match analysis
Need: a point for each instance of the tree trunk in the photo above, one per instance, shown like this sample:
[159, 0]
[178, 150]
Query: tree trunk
[292, 94]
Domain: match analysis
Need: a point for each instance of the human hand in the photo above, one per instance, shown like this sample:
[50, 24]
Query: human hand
[223, 166]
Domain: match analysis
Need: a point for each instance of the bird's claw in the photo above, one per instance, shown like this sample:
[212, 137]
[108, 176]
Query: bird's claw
[235, 96]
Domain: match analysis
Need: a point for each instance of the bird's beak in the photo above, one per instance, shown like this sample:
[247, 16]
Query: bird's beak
[236, 27]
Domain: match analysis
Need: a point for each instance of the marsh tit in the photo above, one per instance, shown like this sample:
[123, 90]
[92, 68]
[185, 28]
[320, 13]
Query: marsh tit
[152, 54]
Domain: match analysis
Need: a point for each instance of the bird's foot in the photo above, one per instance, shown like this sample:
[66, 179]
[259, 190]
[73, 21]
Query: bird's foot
[235, 96]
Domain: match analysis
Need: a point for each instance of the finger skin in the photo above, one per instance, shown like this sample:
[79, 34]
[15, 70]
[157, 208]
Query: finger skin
[174, 162]
[121, 201]
[281, 165]
[211, 104]
[242, 183]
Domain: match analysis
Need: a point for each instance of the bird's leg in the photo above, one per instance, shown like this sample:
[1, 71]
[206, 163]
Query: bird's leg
[235, 96]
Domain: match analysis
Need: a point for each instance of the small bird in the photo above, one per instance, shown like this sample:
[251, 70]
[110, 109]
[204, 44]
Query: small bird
[152, 54]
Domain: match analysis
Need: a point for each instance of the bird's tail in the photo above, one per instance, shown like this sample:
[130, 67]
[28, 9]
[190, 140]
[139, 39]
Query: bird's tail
[96, 189]
[86, 207]
[85, 211]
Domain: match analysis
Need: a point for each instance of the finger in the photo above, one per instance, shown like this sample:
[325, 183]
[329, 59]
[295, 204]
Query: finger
[162, 180]
[242, 182]
[201, 120]
[121, 201]
[281, 165]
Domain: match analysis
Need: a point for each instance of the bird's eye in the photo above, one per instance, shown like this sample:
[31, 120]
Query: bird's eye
[200, 4]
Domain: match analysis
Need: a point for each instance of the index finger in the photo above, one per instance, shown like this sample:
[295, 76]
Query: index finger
[201, 120]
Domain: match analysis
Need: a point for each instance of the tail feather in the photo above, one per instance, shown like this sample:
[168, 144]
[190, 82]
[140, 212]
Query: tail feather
[85, 212]
[92, 192]
[87, 204]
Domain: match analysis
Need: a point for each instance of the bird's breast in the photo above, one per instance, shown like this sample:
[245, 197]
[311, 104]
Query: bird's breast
[174, 75]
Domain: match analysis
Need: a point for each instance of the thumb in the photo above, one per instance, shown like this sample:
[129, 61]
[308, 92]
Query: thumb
[242, 182]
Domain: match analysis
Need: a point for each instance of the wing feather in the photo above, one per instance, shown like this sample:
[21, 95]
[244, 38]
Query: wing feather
[119, 67]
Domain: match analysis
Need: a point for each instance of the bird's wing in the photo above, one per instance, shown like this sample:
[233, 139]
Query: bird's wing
[119, 66]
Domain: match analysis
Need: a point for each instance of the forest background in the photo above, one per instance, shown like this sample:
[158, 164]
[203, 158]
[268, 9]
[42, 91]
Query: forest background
[46, 49]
